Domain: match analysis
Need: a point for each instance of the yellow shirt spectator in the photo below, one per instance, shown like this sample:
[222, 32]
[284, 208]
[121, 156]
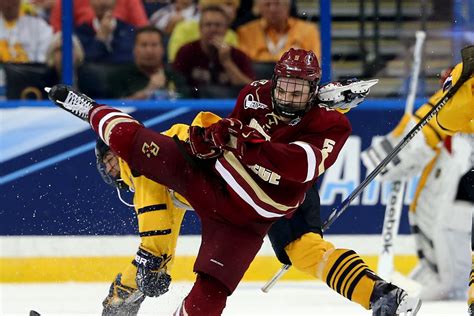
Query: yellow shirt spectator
[264, 44]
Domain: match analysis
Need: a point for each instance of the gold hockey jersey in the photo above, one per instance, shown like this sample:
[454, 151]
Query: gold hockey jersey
[458, 114]
[159, 219]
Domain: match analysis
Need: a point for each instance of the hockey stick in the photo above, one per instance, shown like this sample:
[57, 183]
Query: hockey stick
[467, 54]
[393, 209]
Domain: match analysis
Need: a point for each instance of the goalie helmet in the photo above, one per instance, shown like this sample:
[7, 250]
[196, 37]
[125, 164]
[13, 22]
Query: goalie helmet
[295, 82]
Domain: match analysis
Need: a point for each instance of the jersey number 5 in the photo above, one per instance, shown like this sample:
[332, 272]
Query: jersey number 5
[328, 146]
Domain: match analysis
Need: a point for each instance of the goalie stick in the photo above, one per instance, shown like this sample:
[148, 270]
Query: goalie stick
[467, 54]
[393, 209]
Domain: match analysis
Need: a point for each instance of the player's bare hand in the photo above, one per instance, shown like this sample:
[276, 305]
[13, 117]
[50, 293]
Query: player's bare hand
[157, 80]
[223, 49]
[107, 26]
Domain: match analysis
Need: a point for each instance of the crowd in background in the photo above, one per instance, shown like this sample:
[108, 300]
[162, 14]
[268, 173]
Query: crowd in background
[150, 49]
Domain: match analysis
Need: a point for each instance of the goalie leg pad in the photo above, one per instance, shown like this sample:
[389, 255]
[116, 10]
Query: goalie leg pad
[440, 222]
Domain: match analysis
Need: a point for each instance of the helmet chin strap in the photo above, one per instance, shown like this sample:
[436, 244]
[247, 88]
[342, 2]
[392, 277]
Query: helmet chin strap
[122, 200]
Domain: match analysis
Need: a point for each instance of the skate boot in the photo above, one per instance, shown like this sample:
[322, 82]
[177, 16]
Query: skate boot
[390, 300]
[122, 300]
[71, 100]
[471, 310]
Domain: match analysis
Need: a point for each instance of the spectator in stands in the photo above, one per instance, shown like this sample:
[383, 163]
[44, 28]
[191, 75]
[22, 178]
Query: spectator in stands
[23, 38]
[188, 31]
[151, 6]
[106, 38]
[54, 56]
[209, 60]
[248, 11]
[39, 8]
[265, 39]
[147, 78]
[129, 11]
[166, 18]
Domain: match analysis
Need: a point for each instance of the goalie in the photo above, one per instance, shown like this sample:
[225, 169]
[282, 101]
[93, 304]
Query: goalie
[441, 213]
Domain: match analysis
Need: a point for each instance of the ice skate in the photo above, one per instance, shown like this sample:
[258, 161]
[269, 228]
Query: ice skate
[71, 100]
[122, 300]
[390, 300]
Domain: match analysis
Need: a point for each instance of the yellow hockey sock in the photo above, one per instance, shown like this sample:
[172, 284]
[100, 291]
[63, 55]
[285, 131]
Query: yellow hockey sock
[345, 272]
[342, 269]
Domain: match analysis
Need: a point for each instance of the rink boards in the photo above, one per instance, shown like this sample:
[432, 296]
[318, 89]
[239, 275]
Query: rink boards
[97, 259]
[50, 191]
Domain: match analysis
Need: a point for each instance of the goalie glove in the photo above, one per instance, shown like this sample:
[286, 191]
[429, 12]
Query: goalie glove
[152, 278]
[232, 135]
[408, 162]
[346, 94]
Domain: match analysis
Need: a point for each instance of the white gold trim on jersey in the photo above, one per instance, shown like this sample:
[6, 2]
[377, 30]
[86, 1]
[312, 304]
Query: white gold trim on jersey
[242, 193]
[311, 160]
[108, 116]
[235, 164]
[110, 126]
[96, 110]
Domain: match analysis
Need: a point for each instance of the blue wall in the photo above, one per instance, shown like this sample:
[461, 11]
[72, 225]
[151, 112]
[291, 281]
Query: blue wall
[56, 190]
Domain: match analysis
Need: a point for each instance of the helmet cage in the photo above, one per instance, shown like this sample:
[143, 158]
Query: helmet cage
[293, 106]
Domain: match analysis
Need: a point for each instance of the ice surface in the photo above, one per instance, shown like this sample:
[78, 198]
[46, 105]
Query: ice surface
[286, 298]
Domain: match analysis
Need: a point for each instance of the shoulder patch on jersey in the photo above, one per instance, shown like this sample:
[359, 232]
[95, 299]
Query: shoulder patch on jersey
[250, 103]
[448, 83]
[295, 121]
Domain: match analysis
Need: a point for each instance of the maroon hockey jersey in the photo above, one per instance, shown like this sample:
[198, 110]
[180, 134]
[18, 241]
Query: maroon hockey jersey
[272, 177]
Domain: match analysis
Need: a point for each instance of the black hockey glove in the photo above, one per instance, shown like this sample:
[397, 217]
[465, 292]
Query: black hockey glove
[101, 150]
[152, 278]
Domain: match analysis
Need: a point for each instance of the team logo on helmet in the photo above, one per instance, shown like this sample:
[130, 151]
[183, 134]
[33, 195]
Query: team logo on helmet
[308, 59]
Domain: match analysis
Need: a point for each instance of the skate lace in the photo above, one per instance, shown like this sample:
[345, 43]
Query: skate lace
[77, 104]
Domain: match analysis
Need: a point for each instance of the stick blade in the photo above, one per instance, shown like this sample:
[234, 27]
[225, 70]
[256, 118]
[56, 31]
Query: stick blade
[34, 313]
[467, 55]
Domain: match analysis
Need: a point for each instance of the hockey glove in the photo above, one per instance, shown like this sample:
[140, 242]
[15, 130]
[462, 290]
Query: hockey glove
[199, 146]
[346, 94]
[122, 300]
[231, 135]
[152, 278]
[408, 162]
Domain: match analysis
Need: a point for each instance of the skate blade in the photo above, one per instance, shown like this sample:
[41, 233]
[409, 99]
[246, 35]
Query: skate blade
[409, 307]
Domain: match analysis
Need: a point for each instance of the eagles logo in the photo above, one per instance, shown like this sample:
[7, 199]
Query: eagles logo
[150, 150]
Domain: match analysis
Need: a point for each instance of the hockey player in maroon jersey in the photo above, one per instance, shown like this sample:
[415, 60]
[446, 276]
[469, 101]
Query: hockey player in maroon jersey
[252, 169]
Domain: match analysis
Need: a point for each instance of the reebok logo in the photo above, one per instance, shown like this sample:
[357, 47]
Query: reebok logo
[390, 220]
